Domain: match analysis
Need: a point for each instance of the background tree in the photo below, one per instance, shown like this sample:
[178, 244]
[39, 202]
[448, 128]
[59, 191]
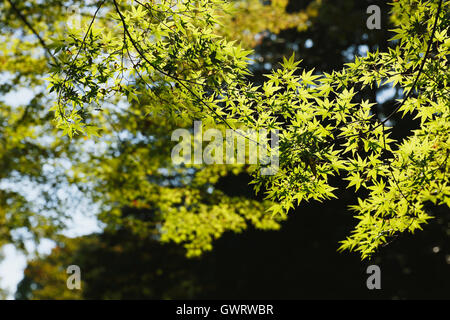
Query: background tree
[142, 221]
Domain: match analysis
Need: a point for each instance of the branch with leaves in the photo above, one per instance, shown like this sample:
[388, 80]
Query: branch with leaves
[181, 66]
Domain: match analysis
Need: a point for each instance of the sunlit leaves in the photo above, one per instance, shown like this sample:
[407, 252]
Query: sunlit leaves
[170, 65]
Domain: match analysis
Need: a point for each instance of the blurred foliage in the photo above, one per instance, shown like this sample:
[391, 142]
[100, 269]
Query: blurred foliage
[128, 172]
[249, 21]
[107, 262]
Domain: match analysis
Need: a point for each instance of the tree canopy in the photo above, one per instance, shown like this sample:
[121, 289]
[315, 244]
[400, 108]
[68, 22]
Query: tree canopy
[112, 82]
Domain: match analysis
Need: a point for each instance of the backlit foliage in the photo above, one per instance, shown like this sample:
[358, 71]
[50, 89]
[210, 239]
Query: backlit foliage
[167, 63]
